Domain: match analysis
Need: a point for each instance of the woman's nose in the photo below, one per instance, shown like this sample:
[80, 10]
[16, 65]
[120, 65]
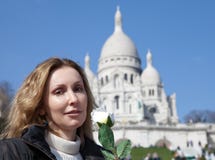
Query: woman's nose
[72, 97]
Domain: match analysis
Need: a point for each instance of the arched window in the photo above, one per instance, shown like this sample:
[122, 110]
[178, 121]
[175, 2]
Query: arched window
[116, 81]
[125, 76]
[116, 102]
[152, 92]
[106, 79]
[132, 79]
[102, 82]
[159, 92]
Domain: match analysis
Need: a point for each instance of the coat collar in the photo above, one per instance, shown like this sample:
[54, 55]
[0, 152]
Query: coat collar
[35, 136]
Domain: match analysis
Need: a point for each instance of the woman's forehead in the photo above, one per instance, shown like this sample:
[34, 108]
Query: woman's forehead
[65, 74]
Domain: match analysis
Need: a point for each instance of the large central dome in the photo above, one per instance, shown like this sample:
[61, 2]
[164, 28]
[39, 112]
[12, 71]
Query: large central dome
[118, 45]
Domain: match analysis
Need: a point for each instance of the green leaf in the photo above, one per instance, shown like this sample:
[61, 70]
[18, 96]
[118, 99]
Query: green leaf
[99, 124]
[123, 148]
[106, 137]
[107, 155]
[109, 122]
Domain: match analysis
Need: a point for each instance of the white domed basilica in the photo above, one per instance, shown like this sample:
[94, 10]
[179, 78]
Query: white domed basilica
[122, 87]
[137, 97]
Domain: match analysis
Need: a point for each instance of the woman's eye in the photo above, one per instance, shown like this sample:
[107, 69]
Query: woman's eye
[79, 89]
[58, 92]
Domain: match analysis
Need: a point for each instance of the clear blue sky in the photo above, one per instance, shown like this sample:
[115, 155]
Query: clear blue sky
[179, 33]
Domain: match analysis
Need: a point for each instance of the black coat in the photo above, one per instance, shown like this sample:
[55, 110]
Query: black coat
[32, 146]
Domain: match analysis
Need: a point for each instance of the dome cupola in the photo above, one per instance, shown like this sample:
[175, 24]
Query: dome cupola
[118, 47]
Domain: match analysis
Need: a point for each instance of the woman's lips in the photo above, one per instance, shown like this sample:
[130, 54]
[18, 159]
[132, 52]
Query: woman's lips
[74, 112]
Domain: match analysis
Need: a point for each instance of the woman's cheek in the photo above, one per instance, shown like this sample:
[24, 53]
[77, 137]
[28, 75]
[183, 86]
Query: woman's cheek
[57, 102]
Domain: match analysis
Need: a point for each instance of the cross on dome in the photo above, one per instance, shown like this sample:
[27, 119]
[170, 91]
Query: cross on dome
[118, 20]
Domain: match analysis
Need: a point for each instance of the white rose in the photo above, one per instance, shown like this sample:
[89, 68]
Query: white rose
[102, 117]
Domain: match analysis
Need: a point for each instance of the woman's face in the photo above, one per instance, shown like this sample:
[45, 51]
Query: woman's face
[65, 102]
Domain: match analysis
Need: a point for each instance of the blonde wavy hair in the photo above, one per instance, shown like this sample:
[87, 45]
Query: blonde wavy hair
[29, 99]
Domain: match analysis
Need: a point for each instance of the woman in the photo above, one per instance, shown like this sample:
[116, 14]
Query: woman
[50, 116]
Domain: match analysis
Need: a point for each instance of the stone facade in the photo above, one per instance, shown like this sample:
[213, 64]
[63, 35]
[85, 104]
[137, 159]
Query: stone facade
[122, 87]
[171, 136]
[143, 112]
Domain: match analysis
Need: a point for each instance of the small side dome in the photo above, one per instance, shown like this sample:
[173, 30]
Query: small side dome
[150, 75]
[90, 75]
